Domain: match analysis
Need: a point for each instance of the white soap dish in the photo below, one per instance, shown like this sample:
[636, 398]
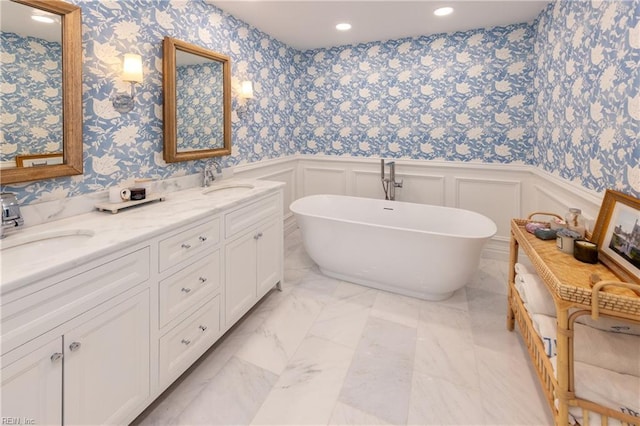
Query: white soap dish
[116, 207]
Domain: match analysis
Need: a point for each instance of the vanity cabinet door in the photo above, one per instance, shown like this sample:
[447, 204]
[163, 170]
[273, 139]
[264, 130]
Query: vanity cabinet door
[106, 374]
[240, 282]
[269, 255]
[32, 387]
[253, 266]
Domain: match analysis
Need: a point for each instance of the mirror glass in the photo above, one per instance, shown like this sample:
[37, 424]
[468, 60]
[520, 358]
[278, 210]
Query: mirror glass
[40, 106]
[197, 100]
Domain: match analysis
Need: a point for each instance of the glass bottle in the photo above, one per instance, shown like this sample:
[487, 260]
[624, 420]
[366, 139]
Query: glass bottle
[575, 221]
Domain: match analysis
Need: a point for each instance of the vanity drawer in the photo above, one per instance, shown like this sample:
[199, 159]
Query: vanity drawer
[181, 346]
[187, 243]
[188, 286]
[243, 218]
[38, 312]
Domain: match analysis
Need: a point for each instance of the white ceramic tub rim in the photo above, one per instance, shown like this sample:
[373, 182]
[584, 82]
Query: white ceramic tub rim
[294, 205]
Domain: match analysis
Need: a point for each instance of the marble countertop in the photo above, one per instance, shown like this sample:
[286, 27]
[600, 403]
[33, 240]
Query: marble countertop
[112, 232]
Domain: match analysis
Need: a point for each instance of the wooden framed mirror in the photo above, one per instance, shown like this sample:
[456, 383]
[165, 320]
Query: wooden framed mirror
[62, 98]
[197, 102]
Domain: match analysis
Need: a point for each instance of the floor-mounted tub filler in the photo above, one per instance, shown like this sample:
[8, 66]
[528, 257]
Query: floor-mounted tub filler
[417, 250]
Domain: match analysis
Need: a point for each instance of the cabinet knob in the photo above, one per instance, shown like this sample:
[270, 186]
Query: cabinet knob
[186, 246]
[202, 327]
[74, 346]
[56, 356]
[202, 239]
[186, 341]
[203, 280]
[186, 289]
[258, 235]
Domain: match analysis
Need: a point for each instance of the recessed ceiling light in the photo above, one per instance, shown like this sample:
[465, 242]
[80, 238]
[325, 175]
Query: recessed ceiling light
[343, 26]
[43, 19]
[443, 11]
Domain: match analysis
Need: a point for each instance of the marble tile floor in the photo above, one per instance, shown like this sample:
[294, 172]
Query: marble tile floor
[325, 351]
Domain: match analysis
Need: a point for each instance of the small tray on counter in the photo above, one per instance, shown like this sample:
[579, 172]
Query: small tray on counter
[116, 207]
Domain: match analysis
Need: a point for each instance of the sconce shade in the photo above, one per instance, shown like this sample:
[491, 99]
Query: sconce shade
[132, 68]
[246, 90]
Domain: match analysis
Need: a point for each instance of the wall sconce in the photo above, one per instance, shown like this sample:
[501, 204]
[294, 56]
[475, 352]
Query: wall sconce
[131, 72]
[246, 93]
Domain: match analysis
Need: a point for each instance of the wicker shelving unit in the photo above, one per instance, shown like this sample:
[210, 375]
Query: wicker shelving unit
[569, 283]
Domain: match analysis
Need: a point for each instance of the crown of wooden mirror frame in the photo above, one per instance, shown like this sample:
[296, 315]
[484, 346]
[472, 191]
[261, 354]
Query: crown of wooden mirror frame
[71, 27]
[208, 113]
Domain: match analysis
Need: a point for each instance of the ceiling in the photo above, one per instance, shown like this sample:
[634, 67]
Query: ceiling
[309, 24]
[16, 18]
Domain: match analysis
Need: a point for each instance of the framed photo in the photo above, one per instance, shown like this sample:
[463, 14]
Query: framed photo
[617, 233]
[35, 160]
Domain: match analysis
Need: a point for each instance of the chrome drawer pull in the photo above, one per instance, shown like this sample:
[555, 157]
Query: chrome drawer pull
[186, 246]
[185, 289]
[202, 239]
[202, 327]
[74, 346]
[186, 342]
[56, 356]
[202, 280]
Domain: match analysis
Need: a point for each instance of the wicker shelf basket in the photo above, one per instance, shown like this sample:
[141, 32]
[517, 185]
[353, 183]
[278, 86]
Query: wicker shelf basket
[569, 282]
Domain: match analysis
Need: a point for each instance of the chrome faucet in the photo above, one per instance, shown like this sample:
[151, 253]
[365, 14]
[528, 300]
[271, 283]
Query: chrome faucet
[389, 184]
[11, 216]
[209, 174]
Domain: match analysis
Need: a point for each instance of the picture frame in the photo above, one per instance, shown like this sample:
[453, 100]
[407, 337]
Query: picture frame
[37, 160]
[617, 234]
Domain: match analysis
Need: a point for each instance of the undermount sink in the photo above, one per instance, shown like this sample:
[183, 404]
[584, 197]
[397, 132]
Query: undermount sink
[228, 189]
[43, 243]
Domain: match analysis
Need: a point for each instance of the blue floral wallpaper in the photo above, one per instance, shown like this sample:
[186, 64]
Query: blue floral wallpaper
[587, 85]
[560, 93]
[465, 96]
[30, 96]
[199, 100]
[118, 146]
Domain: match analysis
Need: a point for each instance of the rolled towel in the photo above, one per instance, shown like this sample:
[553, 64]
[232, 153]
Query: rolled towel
[614, 351]
[537, 297]
[620, 392]
[519, 284]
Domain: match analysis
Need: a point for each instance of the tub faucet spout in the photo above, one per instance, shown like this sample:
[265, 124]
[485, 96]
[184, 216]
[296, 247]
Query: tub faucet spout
[389, 184]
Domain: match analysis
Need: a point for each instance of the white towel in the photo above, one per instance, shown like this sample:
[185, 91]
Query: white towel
[519, 287]
[536, 296]
[614, 351]
[546, 328]
[522, 268]
[620, 392]
[537, 300]
[611, 324]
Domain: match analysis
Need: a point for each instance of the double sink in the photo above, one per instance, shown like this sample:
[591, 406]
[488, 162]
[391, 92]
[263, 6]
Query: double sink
[42, 243]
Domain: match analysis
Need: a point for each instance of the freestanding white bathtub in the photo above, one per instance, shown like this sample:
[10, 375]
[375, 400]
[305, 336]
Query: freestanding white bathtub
[417, 250]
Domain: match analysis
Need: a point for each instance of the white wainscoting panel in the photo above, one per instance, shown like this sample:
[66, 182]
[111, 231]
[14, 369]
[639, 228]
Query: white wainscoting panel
[366, 183]
[323, 180]
[496, 199]
[556, 199]
[421, 188]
